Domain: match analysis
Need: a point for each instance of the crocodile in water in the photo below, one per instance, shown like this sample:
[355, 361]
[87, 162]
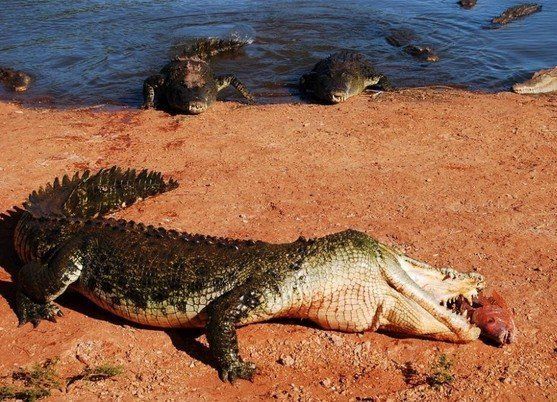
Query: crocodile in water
[14, 80]
[187, 84]
[405, 39]
[514, 13]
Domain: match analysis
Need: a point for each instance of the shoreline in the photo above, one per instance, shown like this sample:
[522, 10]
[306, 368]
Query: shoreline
[49, 102]
[454, 178]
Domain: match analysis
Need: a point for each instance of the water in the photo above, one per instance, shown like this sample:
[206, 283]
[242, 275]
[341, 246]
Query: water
[91, 52]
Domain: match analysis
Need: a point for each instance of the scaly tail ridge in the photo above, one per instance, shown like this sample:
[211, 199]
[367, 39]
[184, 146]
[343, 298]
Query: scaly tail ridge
[205, 48]
[88, 196]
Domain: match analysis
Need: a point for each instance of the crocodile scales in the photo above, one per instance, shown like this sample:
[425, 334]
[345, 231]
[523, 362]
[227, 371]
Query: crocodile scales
[187, 83]
[345, 281]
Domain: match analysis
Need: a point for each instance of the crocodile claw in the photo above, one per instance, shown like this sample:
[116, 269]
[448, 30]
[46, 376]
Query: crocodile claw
[240, 369]
[30, 311]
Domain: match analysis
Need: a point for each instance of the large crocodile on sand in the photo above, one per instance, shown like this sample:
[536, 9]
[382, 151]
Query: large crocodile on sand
[541, 82]
[187, 84]
[341, 76]
[163, 278]
[14, 80]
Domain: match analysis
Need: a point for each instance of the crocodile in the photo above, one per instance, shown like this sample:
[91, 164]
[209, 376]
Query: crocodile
[187, 83]
[340, 76]
[542, 81]
[467, 4]
[14, 80]
[514, 13]
[345, 281]
[404, 38]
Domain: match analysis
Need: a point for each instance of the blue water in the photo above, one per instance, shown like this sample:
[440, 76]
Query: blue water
[94, 52]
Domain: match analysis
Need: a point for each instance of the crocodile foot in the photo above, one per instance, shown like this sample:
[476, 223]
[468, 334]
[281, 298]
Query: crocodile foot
[28, 310]
[239, 369]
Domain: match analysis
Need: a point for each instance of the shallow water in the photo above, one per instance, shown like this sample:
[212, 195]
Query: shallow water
[91, 52]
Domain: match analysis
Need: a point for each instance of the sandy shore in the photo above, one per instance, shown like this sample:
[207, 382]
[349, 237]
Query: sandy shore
[454, 178]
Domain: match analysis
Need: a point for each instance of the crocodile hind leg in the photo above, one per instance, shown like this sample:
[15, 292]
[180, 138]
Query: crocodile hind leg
[39, 284]
[225, 81]
[150, 86]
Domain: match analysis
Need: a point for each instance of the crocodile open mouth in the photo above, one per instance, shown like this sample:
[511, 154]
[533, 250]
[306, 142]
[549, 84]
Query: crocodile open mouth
[462, 305]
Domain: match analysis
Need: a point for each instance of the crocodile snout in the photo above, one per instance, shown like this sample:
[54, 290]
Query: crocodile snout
[197, 107]
[338, 97]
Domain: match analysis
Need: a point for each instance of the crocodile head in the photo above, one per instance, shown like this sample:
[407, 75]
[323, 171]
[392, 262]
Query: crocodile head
[191, 100]
[339, 86]
[17, 81]
[192, 87]
[427, 298]
[541, 82]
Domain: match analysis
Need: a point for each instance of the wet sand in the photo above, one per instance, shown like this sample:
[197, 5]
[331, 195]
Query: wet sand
[454, 178]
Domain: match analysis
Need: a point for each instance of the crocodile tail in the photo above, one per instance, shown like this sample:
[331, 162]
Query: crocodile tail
[205, 48]
[91, 195]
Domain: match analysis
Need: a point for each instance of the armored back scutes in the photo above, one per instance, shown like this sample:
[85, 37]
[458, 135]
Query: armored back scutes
[89, 196]
[205, 48]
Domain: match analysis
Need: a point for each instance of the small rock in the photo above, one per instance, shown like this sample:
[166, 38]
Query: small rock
[336, 339]
[326, 382]
[286, 360]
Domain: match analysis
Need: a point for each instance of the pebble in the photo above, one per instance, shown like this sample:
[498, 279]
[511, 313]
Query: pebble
[286, 360]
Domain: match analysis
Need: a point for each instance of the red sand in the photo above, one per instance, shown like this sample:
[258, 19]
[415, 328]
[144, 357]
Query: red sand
[454, 178]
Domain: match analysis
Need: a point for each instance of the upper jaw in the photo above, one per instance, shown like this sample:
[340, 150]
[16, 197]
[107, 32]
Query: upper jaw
[445, 286]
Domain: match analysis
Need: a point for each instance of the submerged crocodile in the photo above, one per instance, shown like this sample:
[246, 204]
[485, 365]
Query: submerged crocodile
[541, 82]
[514, 13]
[187, 84]
[345, 281]
[468, 4]
[14, 80]
[340, 76]
[404, 38]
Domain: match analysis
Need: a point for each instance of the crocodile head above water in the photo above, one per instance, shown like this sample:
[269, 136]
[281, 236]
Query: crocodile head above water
[541, 82]
[341, 76]
[467, 3]
[13, 80]
[405, 38]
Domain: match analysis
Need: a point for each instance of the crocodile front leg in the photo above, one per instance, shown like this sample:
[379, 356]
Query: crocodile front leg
[307, 83]
[39, 284]
[225, 81]
[248, 303]
[150, 86]
[380, 81]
